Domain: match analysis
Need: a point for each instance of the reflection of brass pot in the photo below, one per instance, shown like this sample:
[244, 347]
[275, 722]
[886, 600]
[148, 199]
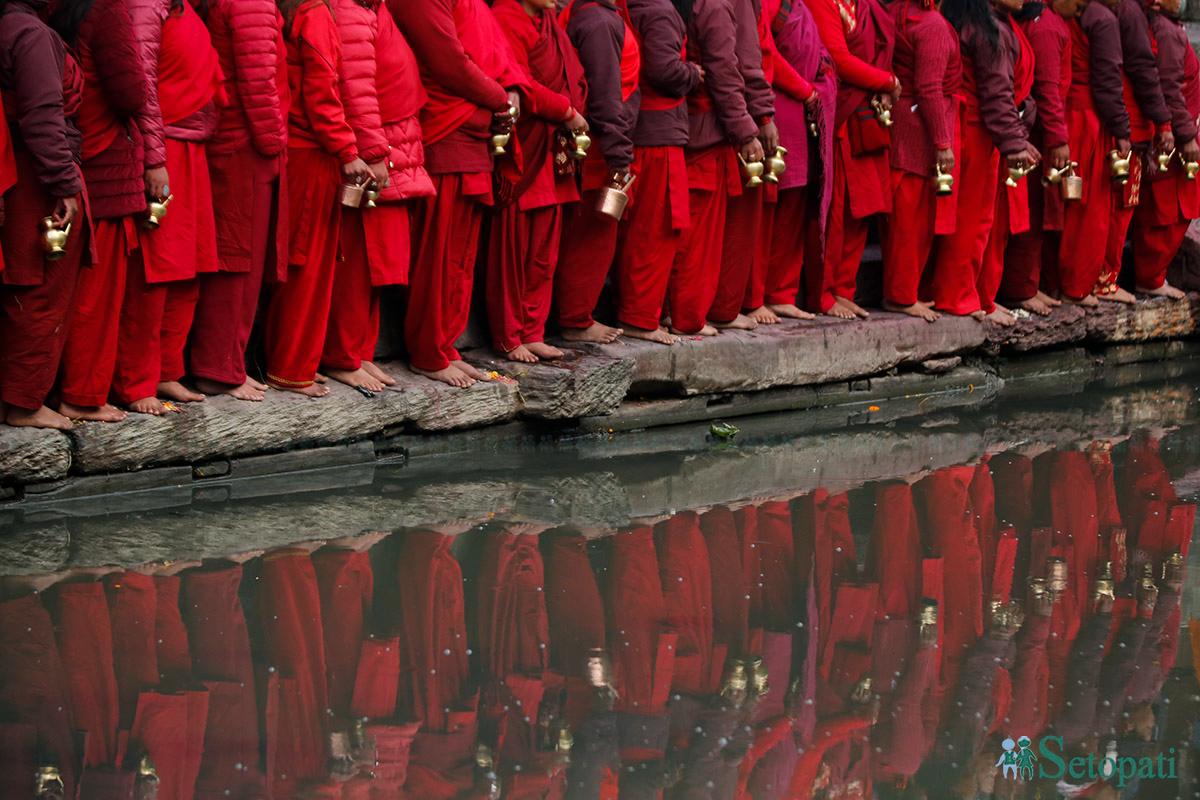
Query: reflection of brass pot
[156, 212]
[929, 611]
[1147, 582]
[48, 782]
[582, 142]
[351, 194]
[612, 199]
[598, 669]
[753, 171]
[1105, 587]
[776, 166]
[1119, 165]
[1056, 575]
[54, 239]
[1173, 569]
[943, 180]
[736, 681]
[1072, 184]
[882, 112]
[760, 681]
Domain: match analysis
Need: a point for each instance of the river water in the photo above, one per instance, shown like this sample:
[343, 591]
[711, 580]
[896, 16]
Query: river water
[984, 600]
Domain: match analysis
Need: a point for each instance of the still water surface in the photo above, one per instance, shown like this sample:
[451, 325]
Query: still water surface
[870, 612]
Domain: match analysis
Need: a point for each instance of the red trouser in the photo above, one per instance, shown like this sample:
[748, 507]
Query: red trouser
[445, 242]
[228, 301]
[795, 248]
[845, 240]
[1118, 230]
[90, 355]
[86, 645]
[299, 309]
[589, 243]
[520, 276]
[33, 325]
[1086, 222]
[1023, 258]
[743, 227]
[908, 236]
[353, 327]
[697, 266]
[1154, 248]
[651, 237]
[959, 262]
[991, 270]
[755, 296]
[155, 321]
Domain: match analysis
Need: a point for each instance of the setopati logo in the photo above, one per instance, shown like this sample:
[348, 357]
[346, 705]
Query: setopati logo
[1019, 762]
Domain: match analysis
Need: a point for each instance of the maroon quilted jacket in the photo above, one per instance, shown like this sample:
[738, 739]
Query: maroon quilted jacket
[114, 93]
[248, 37]
[148, 17]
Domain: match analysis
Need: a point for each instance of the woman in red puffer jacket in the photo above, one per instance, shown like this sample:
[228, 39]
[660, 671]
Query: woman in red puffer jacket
[101, 34]
[322, 153]
[41, 88]
[245, 160]
[160, 298]
[382, 94]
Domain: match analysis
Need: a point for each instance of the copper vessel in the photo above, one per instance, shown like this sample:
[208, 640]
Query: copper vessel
[612, 199]
[1072, 184]
[351, 194]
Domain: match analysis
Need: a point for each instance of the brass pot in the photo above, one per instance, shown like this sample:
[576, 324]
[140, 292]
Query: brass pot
[943, 180]
[1072, 184]
[882, 112]
[1015, 174]
[776, 165]
[1190, 169]
[500, 142]
[1164, 161]
[753, 171]
[351, 194]
[1119, 165]
[612, 199]
[370, 195]
[156, 212]
[582, 142]
[54, 239]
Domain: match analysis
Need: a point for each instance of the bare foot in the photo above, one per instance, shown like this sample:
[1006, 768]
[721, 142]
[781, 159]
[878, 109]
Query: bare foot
[262, 387]
[314, 389]
[918, 310]
[739, 323]
[1035, 305]
[1118, 295]
[600, 334]
[1002, 317]
[449, 375]
[148, 405]
[1166, 290]
[978, 316]
[378, 374]
[247, 391]
[763, 315]
[790, 311]
[1047, 299]
[360, 543]
[659, 335]
[841, 312]
[357, 378]
[854, 307]
[543, 350]
[174, 390]
[104, 413]
[1089, 301]
[469, 371]
[521, 354]
[707, 330]
[41, 418]
[319, 378]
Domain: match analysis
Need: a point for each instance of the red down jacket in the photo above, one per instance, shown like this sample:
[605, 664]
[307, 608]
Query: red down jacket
[248, 37]
[382, 94]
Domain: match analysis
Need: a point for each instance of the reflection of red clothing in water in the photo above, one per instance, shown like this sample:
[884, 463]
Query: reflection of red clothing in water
[85, 642]
[686, 576]
[730, 586]
[346, 584]
[290, 608]
[573, 602]
[220, 647]
[514, 631]
[132, 604]
[34, 698]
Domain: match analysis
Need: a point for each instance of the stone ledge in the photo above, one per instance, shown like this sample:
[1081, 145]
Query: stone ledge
[584, 382]
[793, 354]
[28, 455]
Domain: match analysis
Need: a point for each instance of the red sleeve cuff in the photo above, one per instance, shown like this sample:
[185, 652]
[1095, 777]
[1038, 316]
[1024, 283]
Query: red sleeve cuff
[348, 154]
